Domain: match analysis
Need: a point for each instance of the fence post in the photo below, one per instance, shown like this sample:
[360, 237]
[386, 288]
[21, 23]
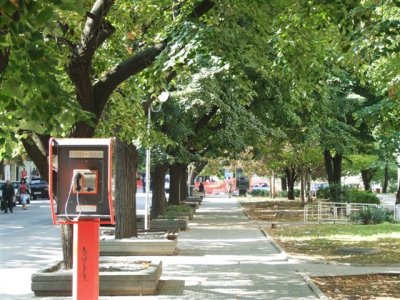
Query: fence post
[348, 209]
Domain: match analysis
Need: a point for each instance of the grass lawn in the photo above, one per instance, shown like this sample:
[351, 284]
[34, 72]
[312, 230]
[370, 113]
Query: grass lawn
[346, 243]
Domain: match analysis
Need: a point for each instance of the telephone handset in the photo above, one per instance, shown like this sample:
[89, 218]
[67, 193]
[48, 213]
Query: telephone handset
[78, 182]
[85, 181]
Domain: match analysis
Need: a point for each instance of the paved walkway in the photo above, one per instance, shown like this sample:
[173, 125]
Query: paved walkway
[224, 255]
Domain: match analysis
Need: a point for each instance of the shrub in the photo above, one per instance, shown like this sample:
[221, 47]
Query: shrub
[260, 193]
[355, 196]
[283, 194]
[178, 208]
[392, 188]
[347, 194]
[323, 193]
[371, 215]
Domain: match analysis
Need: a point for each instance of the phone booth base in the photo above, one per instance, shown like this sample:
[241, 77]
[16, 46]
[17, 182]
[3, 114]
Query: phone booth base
[85, 283]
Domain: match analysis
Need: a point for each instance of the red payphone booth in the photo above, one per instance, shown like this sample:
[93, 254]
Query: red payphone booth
[80, 189]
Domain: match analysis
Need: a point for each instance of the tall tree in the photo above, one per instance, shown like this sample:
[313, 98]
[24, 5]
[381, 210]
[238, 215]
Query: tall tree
[90, 75]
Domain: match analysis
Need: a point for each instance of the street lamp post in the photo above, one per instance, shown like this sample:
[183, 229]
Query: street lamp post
[161, 98]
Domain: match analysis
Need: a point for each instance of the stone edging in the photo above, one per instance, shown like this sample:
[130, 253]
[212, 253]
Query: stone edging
[277, 247]
[316, 290]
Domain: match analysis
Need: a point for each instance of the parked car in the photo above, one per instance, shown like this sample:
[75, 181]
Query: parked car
[260, 187]
[2, 183]
[39, 188]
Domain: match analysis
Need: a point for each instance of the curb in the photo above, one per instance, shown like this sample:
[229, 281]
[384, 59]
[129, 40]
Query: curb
[276, 246]
[316, 290]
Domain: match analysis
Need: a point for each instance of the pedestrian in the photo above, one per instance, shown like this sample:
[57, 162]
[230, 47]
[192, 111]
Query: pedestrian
[229, 183]
[8, 196]
[144, 183]
[24, 174]
[201, 189]
[23, 193]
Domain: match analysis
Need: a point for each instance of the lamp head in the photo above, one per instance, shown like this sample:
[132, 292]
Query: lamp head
[163, 97]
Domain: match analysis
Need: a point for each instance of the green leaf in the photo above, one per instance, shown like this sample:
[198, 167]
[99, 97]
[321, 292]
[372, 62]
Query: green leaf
[12, 88]
[5, 41]
[36, 53]
[44, 16]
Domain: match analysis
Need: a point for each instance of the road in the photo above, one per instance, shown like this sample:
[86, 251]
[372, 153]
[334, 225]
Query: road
[28, 242]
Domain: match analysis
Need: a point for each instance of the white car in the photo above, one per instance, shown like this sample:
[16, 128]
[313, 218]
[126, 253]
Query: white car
[260, 187]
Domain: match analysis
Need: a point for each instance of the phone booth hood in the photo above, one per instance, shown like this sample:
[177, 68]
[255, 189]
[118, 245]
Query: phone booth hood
[80, 180]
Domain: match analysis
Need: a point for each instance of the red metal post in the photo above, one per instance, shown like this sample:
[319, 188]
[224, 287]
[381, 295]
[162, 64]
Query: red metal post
[85, 283]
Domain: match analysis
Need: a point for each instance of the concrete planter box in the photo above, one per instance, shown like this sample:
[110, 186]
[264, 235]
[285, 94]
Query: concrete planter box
[180, 214]
[136, 246]
[194, 199]
[197, 194]
[165, 224]
[133, 278]
[194, 205]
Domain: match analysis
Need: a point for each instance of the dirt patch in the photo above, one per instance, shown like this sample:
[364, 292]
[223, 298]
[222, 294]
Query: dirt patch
[376, 286]
[274, 211]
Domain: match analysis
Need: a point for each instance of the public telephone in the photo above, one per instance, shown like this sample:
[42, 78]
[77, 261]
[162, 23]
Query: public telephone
[85, 181]
[83, 188]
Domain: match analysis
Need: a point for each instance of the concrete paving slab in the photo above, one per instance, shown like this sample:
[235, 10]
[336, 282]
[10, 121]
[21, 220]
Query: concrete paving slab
[224, 255]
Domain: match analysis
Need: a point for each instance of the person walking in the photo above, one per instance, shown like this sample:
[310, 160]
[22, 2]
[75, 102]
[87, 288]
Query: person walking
[202, 190]
[23, 193]
[229, 184]
[24, 174]
[8, 195]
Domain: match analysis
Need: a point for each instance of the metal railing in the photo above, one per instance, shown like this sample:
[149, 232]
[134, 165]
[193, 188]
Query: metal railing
[338, 212]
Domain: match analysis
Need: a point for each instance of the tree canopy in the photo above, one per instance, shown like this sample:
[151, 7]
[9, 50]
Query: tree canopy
[284, 75]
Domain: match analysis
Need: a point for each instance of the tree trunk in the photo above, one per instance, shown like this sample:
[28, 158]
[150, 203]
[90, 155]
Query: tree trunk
[2, 169]
[125, 190]
[4, 56]
[284, 184]
[302, 188]
[174, 185]
[198, 167]
[291, 179]
[385, 179]
[159, 201]
[333, 167]
[398, 185]
[67, 247]
[272, 187]
[184, 193]
[366, 176]
[34, 150]
[308, 185]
